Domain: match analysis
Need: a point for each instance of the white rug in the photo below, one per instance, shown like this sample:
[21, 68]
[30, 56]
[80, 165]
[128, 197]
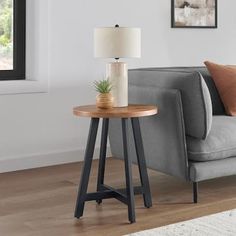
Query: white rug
[221, 224]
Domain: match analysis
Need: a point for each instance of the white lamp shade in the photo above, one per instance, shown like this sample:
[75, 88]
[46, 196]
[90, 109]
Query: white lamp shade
[117, 42]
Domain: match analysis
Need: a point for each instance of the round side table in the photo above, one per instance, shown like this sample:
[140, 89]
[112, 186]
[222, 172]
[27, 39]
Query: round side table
[126, 196]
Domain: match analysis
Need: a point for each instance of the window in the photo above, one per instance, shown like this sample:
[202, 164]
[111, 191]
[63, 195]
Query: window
[12, 39]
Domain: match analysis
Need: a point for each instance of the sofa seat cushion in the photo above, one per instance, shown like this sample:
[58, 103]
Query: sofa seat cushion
[219, 144]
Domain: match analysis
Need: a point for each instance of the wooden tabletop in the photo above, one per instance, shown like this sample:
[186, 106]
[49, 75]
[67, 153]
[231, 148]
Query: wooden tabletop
[117, 112]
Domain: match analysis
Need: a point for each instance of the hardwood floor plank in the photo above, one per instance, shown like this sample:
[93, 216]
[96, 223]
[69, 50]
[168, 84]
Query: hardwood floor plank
[41, 202]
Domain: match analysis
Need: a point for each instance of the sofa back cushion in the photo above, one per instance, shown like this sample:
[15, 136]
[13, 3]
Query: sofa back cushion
[197, 105]
[217, 104]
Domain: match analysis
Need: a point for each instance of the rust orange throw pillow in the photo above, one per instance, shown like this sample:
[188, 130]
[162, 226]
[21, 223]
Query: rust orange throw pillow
[225, 81]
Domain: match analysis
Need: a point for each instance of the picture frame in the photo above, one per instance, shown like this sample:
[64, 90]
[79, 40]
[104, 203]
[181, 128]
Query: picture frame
[194, 13]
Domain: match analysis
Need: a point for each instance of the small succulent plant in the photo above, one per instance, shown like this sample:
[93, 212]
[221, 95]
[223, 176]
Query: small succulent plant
[103, 86]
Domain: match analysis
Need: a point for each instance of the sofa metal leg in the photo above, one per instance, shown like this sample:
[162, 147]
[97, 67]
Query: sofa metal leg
[195, 192]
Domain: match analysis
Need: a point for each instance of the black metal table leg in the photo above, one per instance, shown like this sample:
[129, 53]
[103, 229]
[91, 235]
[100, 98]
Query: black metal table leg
[82, 192]
[128, 172]
[102, 158]
[141, 162]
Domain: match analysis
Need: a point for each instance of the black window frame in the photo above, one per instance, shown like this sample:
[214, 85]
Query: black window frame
[19, 43]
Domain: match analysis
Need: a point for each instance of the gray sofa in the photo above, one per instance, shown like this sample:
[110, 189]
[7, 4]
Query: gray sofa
[191, 138]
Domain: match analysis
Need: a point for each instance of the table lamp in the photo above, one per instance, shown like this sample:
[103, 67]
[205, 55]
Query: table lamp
[117, 42]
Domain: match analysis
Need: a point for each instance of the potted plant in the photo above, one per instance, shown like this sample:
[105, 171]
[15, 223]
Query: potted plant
[104, 99]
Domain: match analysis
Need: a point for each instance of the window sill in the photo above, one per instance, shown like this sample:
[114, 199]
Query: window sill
[23, 87]
[37, 56]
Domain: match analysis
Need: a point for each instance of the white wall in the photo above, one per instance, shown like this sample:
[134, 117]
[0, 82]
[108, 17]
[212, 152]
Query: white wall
[39, 129]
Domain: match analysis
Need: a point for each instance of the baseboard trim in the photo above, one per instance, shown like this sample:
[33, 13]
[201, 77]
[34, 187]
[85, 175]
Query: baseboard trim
[44, 159]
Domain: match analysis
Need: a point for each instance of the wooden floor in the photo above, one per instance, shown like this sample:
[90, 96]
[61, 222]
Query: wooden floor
[41, 202]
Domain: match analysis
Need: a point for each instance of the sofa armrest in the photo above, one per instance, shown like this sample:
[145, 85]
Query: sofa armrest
[196, 100]
[163, 134]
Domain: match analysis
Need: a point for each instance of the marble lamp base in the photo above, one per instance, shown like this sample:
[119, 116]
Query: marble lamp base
[117, 74]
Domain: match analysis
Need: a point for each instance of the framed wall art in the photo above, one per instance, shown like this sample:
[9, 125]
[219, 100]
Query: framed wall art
[194, 13]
